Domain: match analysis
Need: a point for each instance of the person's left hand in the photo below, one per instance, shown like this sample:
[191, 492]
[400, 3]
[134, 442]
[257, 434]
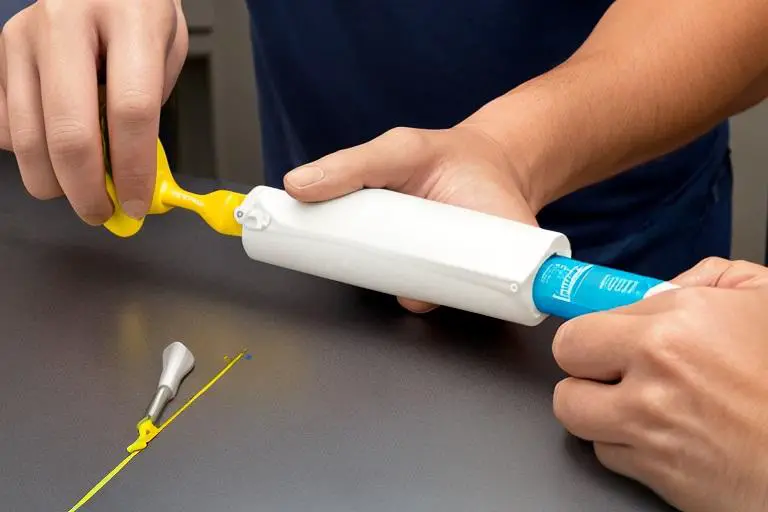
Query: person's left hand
[461, 166]
[673, 390]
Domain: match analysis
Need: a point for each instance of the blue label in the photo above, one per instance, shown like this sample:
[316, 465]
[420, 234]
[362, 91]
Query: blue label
[568, 288]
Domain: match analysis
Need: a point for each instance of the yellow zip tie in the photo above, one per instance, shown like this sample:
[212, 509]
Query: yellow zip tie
[104, 481]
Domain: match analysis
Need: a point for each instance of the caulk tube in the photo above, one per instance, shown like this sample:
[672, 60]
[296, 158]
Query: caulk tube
[404, 246]
[567, 288]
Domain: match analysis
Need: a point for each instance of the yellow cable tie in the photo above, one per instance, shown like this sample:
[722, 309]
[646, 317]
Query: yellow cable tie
[104, 481]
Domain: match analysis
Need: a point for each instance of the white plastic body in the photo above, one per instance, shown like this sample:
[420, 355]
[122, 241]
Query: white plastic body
[177, 363]
[404, 246]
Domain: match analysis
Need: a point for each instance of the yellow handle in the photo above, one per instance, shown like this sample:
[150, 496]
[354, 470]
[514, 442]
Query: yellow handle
[217, 208]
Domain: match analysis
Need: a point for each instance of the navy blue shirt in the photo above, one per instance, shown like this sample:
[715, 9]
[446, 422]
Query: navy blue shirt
[336, 73]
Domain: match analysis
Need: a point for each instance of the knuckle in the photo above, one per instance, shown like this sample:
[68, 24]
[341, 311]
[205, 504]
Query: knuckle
[409, 140]
[136, 176]
[659, 344]
[135, 182]
[55, 9]
[655, 400]
[136, 108]
[709, 266]
[27, 141]
[712, 262]
[13, 30]
[671, 342]
[69, 137]
[136, 170]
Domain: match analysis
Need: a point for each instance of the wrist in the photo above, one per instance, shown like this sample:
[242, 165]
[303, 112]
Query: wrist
[529, 130]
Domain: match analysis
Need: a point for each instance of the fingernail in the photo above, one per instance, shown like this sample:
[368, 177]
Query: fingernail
[95, 215]
[304, 176]
[135, 208]
[94, 220]
[417, 307]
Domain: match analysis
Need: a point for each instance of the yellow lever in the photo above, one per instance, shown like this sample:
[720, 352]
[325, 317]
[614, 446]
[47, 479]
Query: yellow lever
[217, 208]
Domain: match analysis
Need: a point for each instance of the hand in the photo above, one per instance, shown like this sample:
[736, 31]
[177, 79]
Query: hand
[461, 166]
[673, 390]
[50, 54]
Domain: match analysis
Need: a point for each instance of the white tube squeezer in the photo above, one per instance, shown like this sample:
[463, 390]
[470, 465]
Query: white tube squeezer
[424, 250]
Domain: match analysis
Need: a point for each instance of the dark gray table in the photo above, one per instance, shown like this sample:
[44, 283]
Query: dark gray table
[349, 403]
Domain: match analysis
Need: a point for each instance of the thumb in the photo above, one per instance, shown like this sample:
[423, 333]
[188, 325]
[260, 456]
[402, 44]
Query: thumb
[723, 273]
[388, 161]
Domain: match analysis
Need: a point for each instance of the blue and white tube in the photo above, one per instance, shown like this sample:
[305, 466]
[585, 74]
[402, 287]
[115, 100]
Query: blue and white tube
[568, 288]
[425, 250]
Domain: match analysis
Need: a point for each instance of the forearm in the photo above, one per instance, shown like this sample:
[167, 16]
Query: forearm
[653, 76]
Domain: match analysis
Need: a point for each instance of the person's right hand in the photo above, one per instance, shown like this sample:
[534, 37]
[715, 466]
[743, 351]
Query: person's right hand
[672, 390]
[50, 57]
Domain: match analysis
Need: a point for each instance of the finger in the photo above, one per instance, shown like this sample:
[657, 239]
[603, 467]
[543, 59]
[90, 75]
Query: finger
[176, 55]
[416, 306]
[136, 52]
[596, 346]
[25, 120]
[3, 69]
[67, 53]
[621, 459]
[589, 410]
[385, 162]
[5, 135]
[721, 273]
